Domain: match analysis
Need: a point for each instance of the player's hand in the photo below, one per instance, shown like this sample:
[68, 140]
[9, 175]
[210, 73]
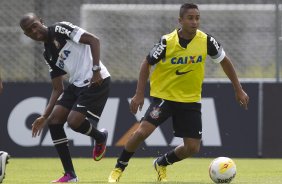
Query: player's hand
[37, 126]
[96, 79]
[136, 103]
[242, 98]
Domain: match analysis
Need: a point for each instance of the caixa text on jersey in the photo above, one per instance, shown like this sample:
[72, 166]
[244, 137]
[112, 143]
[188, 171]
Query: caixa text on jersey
[186, 60]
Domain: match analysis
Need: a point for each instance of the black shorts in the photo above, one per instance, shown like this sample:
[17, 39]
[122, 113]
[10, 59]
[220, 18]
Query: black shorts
[187, 117]
[87, 100]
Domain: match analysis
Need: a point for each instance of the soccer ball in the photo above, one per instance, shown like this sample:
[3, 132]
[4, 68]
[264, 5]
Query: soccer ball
[222, 170]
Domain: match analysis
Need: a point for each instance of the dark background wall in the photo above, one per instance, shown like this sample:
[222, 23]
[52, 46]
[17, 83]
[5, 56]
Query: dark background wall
[238, 129]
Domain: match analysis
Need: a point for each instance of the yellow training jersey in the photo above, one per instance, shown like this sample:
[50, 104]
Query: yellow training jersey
[179, 76]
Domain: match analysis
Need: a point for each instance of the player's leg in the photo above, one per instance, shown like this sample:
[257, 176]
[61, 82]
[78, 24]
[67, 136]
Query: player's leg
[187, 124]
[55, 123]
[156, 114]
[190, 147]
[143, 131]
[82, 124]
[88, 109]
[4, 156]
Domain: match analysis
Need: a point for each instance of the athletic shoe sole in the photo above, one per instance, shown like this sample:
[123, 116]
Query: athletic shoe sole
[4, 156]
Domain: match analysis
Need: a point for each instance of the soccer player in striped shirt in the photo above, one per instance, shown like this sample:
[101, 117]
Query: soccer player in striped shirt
[71, 50]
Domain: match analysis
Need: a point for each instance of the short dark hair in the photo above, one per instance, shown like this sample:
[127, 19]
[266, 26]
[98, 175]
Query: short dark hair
[185, 7]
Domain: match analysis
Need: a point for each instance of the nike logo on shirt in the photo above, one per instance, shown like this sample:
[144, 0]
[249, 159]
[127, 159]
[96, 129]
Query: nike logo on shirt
[182, 73]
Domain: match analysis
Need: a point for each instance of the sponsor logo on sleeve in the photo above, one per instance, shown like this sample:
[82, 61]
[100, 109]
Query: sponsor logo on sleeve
[159, 49]
[62, 30]
[214, 43]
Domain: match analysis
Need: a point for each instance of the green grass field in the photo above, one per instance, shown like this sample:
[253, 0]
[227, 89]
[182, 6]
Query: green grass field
[140, 170]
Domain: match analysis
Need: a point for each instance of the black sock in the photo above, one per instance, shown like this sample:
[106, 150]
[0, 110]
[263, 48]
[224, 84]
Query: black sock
[168, 159]
[61, 144]
[88, 129]
[123, 159]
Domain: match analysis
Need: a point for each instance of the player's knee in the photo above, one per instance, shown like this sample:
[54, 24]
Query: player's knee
[72, 125]
[52, 120]
[140, 135]
[75, 121]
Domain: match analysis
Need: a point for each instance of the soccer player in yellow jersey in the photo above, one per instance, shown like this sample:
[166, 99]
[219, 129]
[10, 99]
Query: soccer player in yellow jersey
[176, 85]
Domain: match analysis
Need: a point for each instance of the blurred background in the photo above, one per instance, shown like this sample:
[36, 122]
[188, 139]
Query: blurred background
[248, 30]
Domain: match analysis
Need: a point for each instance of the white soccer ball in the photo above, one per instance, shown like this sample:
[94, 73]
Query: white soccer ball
[222, 170]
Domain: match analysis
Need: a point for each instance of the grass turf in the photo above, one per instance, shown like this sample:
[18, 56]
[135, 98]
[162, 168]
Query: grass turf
[140, 170]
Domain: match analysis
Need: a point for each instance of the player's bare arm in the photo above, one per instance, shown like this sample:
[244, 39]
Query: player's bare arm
[137, 100]
[93, 41]
[57, 90]
[240, 94]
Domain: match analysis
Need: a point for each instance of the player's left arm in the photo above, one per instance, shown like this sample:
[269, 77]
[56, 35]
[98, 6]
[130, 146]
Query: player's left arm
[94, 42]
[240, 94]
[217, 54]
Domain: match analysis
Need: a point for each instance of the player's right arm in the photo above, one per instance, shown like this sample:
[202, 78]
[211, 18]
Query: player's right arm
[156, 54]
[137, 100]
[56, 75]
[39, 123]
[58, 88]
